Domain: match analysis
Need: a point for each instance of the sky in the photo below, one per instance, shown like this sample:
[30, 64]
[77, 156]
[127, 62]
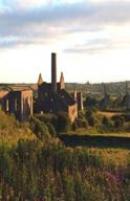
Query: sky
[91, 39]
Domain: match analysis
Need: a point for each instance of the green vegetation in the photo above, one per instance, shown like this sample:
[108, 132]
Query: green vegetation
[11, 131]
[56, 123]
[36, 165]
[97, 90]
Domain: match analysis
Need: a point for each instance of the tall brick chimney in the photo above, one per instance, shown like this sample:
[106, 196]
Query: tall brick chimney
[53, 72]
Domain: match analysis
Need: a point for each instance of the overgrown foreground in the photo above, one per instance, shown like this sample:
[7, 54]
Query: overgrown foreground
[36, 170]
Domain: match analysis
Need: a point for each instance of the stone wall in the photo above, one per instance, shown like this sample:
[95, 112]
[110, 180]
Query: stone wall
[19, 103]
[73, 112]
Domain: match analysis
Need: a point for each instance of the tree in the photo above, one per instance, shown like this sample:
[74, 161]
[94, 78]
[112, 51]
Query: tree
[118, 121]
[91, 102]
[39, 128]
[106, 122]
[63, 122]
[90, 118]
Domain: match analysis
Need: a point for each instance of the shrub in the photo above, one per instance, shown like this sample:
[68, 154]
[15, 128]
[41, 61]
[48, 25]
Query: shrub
[63, 122]
[51, 129]
[52, 118]
[106, 123]
[118, 121]
[91, 102]
[90, 118]
[80, 123]
[39, 128]
[68, 185]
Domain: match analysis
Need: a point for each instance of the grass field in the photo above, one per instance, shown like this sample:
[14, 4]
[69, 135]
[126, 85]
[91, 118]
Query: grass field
[108, 114]
[94, 131]
[113, 148]
[80, 167]
[12, 131]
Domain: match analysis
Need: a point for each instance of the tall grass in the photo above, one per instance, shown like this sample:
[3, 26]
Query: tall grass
[50, 171]
[11, 131]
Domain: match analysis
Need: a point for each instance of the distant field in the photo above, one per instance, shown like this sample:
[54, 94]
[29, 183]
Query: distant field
[113, 149]
[93, 132]
[114, 88]
[109, 114]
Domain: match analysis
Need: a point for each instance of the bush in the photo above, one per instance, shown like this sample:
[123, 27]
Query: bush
[63, 122]
[91, 102]
[80, 123]
[55, 122]
[39, 128]
[51, 129]
[90, 118]
[51, 118]
[118, 121]
[106, 123]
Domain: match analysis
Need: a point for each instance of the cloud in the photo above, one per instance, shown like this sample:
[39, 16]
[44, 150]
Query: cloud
[90, 47]
[22, 4]
[99, 45]
[26, 21]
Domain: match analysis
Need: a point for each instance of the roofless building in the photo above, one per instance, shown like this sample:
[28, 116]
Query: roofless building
[17, 101]
[53, 98]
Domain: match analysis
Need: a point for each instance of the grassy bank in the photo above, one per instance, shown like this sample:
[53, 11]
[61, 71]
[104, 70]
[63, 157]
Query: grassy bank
[77, 168]
[11, 131]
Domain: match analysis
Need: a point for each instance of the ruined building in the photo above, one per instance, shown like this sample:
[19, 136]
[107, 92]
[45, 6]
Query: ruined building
[78, 97]
[17, 101]
[52, 97]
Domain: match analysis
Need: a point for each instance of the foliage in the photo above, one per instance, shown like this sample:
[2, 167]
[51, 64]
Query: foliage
[51, 129]
[12, 131]
[48, 118]
[39, 128]
[56, 122]
[80, 122]
[32, 170]
[63, 122]
[91, 102]
[106, 124]
[90, 117]
[118, 121]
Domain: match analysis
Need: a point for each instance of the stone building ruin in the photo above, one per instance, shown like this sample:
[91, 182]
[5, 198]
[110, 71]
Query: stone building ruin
[51, 97]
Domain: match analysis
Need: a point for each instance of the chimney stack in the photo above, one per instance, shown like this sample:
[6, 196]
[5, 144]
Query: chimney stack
[53, 72]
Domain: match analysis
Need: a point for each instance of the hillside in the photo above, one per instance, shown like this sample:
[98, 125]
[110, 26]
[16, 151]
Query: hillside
[11, 131]
[113, 88]
[50, 171]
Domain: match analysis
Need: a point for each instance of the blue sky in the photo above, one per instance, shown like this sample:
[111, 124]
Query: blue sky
[91, 39]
